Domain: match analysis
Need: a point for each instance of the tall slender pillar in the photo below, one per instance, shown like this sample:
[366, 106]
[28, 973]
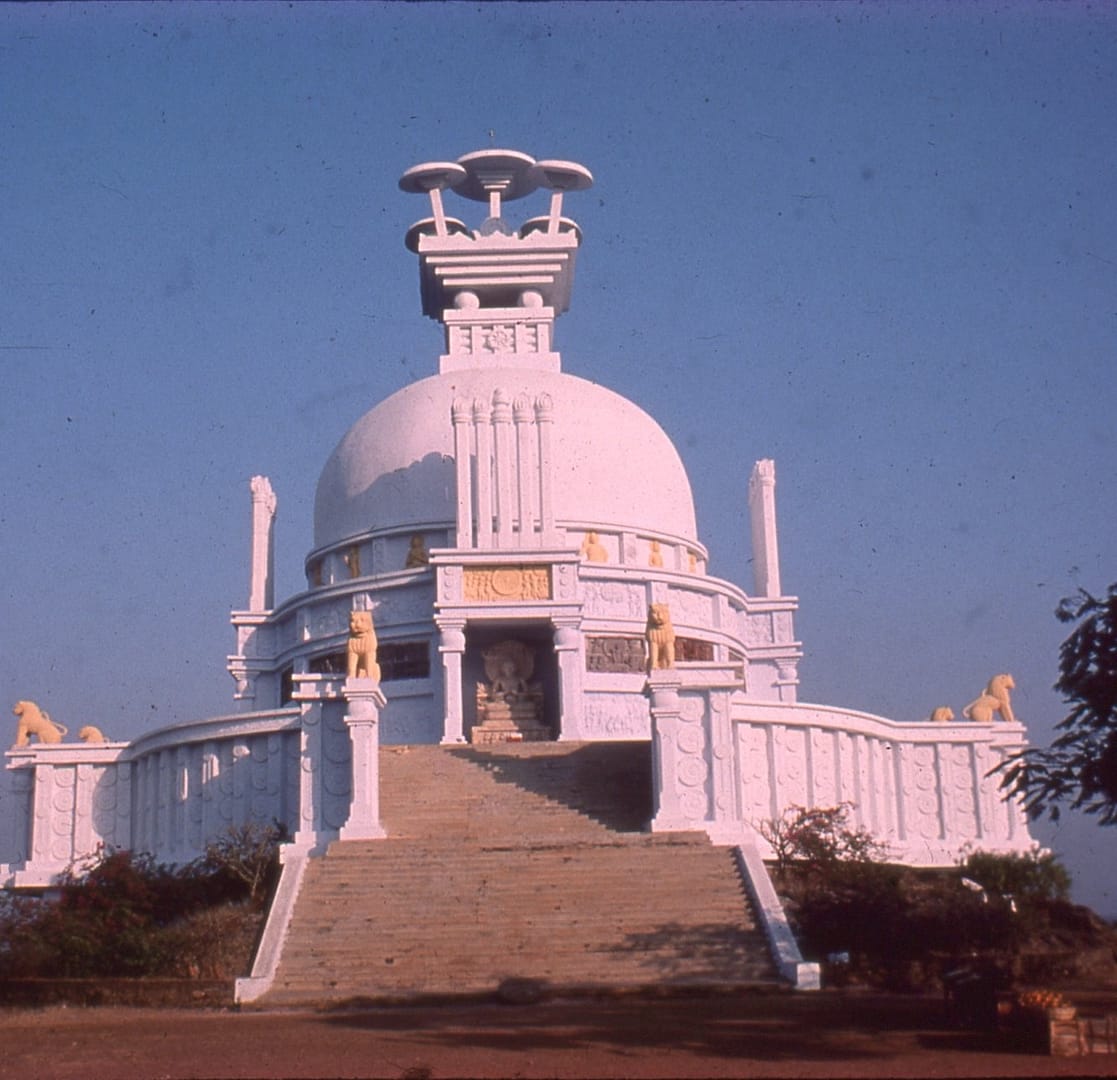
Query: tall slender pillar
[261, 595]
[762, 518]
[528, 459]
[483, 430]
[505, 468]
[463, 472]
[545, 418]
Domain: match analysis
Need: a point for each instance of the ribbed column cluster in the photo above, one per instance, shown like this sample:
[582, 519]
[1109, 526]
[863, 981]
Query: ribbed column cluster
[502, 450]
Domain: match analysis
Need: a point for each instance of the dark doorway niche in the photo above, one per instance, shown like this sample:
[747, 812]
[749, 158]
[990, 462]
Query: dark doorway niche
[538, 636]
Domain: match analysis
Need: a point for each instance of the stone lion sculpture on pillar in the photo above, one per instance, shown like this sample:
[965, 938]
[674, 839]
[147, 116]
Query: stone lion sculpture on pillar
[660, 636]
[362, 647]
[33, 721]
[996, 699]
[943, 714]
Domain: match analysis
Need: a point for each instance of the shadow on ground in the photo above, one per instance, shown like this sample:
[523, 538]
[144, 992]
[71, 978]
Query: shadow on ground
[774, 1027]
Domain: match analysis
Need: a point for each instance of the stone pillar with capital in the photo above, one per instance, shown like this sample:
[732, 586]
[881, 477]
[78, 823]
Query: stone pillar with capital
[364, 701]
[762, 516]
[451, 647]
[571, 665]
[261, 595]
[663, 692]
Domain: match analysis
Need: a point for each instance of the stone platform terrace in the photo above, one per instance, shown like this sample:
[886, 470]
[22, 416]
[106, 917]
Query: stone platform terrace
[518, 862]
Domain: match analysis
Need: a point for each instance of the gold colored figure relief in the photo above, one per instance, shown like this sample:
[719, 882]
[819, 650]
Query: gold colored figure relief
[655, 556]
[944, 714]
[495, 584]
[592, 549]
[91, 734]
[362, 647]
[660, 636]
[417, 554]
[995, 699]
[33, 721]
[353, 561]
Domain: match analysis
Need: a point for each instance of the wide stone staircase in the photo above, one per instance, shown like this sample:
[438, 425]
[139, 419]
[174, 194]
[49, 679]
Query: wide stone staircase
[518, 862]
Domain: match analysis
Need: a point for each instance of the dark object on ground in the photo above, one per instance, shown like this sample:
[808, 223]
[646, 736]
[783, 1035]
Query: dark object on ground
[971, 993]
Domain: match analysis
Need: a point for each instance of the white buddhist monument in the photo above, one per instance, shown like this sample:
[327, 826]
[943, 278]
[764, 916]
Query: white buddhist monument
[506, 553]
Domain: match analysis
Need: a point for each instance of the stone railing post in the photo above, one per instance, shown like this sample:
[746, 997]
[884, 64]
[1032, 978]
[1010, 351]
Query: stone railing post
[666, 709]
[364, 700]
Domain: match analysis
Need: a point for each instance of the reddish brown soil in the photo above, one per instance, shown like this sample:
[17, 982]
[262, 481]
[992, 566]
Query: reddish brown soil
[829, 1034]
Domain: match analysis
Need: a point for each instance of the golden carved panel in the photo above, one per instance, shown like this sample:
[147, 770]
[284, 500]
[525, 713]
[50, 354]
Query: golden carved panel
[497, 584]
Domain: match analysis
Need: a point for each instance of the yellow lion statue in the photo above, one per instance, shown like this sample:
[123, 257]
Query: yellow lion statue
[995, 699]
[33, 721]
[942, 715]
[91, 734]
[362, 647]
[660, 636]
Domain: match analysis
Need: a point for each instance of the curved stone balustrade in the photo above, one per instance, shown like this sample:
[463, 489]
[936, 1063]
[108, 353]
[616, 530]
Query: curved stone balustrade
[725, 763]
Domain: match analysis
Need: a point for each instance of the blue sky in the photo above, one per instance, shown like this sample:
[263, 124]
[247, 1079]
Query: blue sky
[875, 242]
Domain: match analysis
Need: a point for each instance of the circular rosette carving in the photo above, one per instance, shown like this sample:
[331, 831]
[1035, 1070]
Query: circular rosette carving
[691, 740]
[508, 581]
[693, 804]
[692, 771]
[692, 709]
[104, 796]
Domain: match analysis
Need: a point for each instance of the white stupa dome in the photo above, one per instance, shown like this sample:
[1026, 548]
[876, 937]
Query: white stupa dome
[615, 467]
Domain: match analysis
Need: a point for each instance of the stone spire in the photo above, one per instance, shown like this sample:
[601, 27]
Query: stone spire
[496, 289]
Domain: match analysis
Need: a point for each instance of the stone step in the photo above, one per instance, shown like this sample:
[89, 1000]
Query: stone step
[517, 861]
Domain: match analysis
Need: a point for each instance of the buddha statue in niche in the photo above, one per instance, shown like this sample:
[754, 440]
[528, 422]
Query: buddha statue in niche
[509, 704]
[417, 555]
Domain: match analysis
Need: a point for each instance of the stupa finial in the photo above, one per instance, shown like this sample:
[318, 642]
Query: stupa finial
[496, 288]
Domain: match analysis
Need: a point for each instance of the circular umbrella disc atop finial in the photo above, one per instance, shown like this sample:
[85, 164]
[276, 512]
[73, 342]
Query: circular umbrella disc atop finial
[431, 176]
[505, 171]
[563, 175]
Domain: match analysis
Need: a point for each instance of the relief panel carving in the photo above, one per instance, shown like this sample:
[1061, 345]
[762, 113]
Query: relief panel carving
[610, 598]
[615, 654]
[756, 630]
[619, 716]
[694, 609]
[500, 584]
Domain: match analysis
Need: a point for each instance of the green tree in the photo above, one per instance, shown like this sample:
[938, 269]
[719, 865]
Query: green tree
[1080, 766]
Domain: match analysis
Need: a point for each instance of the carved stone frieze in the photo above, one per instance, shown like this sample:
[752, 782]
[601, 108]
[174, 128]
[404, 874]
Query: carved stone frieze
[611, 598]
[690, 607]
[615, 654]
[616, 716]
[756, 629]
[499, 584]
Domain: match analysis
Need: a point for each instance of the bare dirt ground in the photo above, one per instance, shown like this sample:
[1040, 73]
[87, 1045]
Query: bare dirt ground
[830, 1034]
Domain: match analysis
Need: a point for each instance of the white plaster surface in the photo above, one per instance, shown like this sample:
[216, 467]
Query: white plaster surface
[615, 466]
